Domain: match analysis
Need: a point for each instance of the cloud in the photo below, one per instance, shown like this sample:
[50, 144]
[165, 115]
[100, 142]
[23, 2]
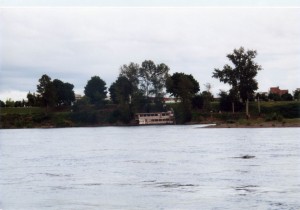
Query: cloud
[73, 44]
[157, 3]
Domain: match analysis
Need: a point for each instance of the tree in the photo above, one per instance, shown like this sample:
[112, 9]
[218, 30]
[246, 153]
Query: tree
[69, 95]
[185, 87]
[226, 102]
[241, 76]
[64, 94]
[31, 99]
[46, 90]
[145, 73]
[18, 104]
[2, 104]
[197, 102]
[274, 97]
[182, 85]
[9, 103]
[121, 90]
[147, 80]
[95, 90]
[286, 97]
[297, 94]
[261, 97]
[131, 72]
[158, 80]
[153, 78]
[207, 99]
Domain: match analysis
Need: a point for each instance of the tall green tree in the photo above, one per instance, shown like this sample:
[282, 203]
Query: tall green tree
[197, 102]
[146, 72]
[226, 102]
[131, 72]
[153, 77]
[121, 90]
[158, 79]
[64, 93]
[31, 99]
[240, 76]
[185, 87]
[95, 90]
[207, 97]
[147, 81]
[182, 86]
[69, 94]
[46, 90]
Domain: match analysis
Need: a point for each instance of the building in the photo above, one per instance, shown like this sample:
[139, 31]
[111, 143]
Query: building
[171, 100]
[276, 90]
[78, 97]
[262, 93]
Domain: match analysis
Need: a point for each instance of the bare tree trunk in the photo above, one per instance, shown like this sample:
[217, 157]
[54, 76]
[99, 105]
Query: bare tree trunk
[232, 107]
[258, 104]
[247, 108]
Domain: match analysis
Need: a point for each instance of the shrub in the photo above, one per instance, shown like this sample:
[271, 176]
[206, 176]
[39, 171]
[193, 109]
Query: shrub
[86, 117]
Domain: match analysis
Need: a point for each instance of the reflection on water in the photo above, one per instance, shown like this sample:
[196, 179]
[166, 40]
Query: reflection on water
[246, 188]
[246, 156]
[153, 167]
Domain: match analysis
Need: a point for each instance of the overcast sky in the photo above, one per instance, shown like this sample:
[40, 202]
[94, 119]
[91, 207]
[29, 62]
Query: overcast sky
[75, 43]
[159, 3]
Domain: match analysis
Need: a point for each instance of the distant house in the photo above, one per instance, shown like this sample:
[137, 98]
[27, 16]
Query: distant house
[171, 100]
[167, 100]
[263, 93]
[276, 90]
[78, 97]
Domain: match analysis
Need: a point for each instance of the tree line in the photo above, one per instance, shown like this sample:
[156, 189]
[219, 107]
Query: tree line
[142, 88]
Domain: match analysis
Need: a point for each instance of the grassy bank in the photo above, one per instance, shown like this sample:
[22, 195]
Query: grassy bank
[35, 117]
[273, 114]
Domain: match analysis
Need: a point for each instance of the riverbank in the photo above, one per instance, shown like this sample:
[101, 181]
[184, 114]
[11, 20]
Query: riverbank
[35, 117]
[287, 123]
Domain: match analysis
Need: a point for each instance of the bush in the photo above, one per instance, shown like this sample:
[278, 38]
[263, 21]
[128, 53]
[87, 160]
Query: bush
[274, 117]
[85, 117]
[286, 110]
[40, 117]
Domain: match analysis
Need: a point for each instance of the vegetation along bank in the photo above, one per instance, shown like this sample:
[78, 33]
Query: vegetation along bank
[143, 88]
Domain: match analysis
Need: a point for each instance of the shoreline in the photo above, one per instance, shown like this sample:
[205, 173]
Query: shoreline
[209, 125]
[259, 125]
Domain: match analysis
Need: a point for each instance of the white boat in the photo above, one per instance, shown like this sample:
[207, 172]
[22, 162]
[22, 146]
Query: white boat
[155, 118]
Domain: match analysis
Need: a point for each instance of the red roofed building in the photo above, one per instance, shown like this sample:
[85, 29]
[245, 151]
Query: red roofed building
[276, 90]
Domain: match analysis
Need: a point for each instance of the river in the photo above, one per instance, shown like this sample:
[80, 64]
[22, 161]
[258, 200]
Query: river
[151, 167]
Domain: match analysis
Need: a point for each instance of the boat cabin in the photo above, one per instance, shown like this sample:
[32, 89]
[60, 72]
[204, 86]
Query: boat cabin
[155, 118]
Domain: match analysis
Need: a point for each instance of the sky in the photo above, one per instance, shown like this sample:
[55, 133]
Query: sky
[73, 42]
[156, 3]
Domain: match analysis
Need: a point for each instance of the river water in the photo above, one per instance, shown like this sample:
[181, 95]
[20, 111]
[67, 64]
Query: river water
[151, 167]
